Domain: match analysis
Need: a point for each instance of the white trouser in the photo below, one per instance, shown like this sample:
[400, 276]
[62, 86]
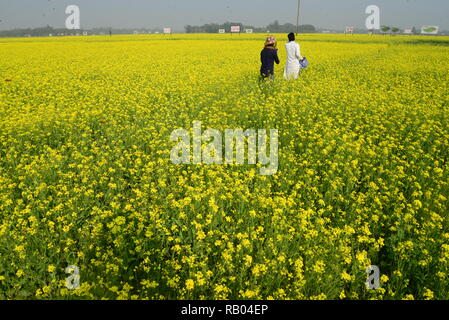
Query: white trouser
[291, 71]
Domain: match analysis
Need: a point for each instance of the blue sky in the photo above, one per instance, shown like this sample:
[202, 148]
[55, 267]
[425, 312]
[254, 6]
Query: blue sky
[333, 14]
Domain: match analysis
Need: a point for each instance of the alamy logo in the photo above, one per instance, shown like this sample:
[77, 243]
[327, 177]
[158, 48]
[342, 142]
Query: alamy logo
[73, 281]
[208, 147]
[73, 21]
[373, 281]
[373, 20]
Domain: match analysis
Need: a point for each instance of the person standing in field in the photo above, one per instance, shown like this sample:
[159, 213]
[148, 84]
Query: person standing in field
[268, 57]
[292, 68]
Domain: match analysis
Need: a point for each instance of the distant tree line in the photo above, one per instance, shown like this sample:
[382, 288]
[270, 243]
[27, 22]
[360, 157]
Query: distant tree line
[275, 27]
[37, 32]
[46, 31]
[214, 27]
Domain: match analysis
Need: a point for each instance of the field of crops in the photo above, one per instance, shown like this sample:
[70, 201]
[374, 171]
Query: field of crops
[86, 177]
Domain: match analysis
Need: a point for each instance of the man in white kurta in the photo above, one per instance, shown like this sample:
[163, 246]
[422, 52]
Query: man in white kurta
[292, 68]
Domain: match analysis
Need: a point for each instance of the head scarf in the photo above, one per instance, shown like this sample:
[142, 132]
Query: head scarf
[271, 41]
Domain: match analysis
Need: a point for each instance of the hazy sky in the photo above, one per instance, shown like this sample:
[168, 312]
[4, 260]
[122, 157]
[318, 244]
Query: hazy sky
[333, 14]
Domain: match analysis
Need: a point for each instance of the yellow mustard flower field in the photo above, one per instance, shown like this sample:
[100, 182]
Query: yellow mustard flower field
[86, 178]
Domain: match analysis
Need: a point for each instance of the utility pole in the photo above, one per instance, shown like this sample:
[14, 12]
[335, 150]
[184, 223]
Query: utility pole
[297, 17]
